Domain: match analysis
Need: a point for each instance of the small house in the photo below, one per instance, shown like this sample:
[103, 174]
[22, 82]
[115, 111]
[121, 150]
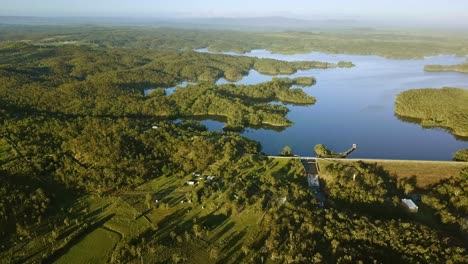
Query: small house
[210, 178]
[410, 205]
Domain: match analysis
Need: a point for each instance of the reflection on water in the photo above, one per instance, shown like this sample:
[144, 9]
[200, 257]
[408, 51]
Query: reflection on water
[355, 105]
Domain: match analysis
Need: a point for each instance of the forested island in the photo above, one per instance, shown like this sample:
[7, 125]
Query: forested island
[94, 171]
[445, 108]
[462, 67]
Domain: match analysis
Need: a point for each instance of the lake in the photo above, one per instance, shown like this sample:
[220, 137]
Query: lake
[169, 90]
[355, 105]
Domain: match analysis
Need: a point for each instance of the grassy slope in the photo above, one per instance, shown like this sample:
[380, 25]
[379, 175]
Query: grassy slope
[426, 172]
[227, 235]
[126, 213]
[94, 248]
[124, 216]
[447, 108]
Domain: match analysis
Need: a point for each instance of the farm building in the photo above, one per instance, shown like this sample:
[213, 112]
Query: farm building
[410, 205]
[210, 178]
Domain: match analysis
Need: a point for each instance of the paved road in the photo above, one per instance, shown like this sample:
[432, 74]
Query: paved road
[289, 157]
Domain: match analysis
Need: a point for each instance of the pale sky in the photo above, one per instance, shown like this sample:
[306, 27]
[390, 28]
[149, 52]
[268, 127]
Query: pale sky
[450, 11]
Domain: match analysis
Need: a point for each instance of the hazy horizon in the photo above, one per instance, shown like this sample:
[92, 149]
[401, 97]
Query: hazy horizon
[413, 13]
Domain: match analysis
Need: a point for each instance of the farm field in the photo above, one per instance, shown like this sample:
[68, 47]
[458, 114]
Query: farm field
[425, 172]
[96, 248]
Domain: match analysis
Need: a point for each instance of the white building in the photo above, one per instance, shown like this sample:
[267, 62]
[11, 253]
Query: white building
[210, 178]
[410, 205]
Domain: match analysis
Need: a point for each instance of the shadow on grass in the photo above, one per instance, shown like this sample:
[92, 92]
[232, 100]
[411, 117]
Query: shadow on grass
[232, 247]
[61, 251]
[174, 222]
[223, 231]
[212, 221]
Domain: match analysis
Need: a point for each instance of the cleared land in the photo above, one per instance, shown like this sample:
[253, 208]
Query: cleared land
[94, 248]
[224, 233]
[182, 229]
[426, 172]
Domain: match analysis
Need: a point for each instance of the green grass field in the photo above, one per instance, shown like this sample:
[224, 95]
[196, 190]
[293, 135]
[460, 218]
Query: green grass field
[127, 216]
[94, 248]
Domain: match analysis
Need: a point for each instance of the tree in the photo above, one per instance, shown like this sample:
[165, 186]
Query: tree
[148, 199]
[22, 231]
[461, 155]
[214, 253]
[317, 258]
[287, 151]
[321, 151]
[407, 184]
[178, 258]
[197, 231]
[464, 173]
[245, 249]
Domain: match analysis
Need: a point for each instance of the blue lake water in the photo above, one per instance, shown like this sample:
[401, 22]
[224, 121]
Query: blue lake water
[169, 90]
[356, 105]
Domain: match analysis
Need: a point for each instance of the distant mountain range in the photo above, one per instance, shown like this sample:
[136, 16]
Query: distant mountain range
[263, 22]
[234, 23]
[274, 22]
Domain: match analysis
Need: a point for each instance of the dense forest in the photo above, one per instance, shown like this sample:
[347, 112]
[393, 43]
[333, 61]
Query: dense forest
[462, 67]
[92, 81]
[46, 151]
[390, 44]
[445, 108]
[285, 224]
[92, 170]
